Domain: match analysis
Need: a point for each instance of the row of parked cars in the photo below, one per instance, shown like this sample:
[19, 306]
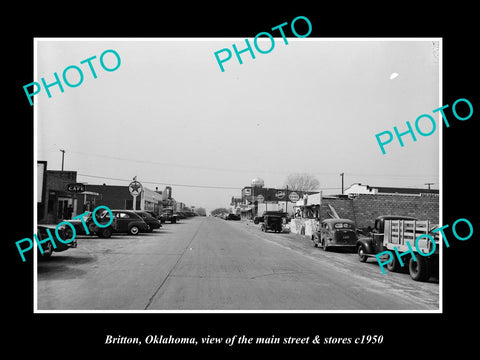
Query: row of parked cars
[342, 233]
[131, 222]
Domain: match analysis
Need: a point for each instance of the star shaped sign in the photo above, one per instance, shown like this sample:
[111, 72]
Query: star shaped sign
[135, 188]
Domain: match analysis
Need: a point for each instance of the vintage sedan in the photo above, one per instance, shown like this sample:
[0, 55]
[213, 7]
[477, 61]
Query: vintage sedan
[124, 221]
[47, 247]
[78, 224]
[149, 219]
[338, 233]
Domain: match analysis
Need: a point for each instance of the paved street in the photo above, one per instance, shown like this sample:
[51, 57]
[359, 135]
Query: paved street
[206, 263]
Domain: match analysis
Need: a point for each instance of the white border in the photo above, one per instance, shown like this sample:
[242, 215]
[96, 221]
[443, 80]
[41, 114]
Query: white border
[35, 131]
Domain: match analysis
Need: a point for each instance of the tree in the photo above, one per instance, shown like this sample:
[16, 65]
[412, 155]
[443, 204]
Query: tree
[302, 181]
[201, 211]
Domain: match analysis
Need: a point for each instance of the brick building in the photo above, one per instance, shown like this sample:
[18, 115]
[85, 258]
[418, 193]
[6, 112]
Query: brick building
[54, 202]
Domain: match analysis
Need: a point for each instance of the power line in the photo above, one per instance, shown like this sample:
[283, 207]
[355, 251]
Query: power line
[162, 183]
[251, 170]
[187, 185]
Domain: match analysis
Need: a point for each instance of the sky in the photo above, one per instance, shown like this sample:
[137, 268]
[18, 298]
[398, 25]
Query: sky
[170, 116]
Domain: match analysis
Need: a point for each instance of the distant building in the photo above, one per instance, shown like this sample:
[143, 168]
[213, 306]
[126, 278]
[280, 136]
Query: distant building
[358, 188]
[256, 199]
[54, 201]
[119, 197]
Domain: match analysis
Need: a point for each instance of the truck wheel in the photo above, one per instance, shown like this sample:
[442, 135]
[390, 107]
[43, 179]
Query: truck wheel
[362, 254]
[419, 270]
[393, 265]
[173, 221]
[134, 230]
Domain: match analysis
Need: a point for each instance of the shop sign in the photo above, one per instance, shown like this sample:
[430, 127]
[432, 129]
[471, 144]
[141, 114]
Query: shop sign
[75, 187]
[135, 188]
[280, 194]
[293, 196]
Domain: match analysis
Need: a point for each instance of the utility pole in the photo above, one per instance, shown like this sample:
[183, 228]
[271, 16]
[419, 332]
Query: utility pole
[342, 181]
[286, 200]
[63, 155]
[428, 184]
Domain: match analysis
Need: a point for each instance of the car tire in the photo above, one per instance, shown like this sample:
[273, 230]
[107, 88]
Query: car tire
[394, 265]
[316, 240]
[106, 233]
[362, 254]
[46, 252]
[420, 270]
[324, 245]
[91, 227]
[174, 221]
[134, 230]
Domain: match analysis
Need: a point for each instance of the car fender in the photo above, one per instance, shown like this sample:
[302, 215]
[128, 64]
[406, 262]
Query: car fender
[366, 243]
[142, 225]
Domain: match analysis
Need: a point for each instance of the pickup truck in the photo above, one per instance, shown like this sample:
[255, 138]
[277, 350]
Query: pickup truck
[399, 232]
[372, 244]
[407, 234]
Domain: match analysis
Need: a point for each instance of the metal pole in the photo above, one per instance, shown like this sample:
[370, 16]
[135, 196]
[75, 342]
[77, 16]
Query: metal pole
[342, 182]
[286, 200]
[63, 154]
[253, 202]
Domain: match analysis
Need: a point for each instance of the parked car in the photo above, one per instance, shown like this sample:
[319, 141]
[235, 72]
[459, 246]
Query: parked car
[272, 222]
[168, 215]
[340, 233]
[149, 219]
[259, 219]
[372, 244]
[232, 217]
[124, 221]
[79, 227]
[180, 214]
[47, 246]
[156, 216]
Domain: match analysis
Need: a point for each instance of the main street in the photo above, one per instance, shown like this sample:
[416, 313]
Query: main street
[206, 263]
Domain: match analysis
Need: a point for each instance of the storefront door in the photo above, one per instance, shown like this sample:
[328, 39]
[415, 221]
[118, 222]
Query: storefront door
[64, 208]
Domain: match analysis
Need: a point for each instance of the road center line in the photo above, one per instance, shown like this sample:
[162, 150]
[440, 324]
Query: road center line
[173, 268]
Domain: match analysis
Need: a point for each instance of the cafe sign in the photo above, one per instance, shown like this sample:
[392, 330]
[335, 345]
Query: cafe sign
[75, 187]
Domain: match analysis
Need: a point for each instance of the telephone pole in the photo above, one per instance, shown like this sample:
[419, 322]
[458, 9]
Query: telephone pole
[428, 184]
[63, 155]
[342, 181]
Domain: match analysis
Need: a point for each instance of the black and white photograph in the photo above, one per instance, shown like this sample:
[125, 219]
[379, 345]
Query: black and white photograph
[236, 181]
[238, 190]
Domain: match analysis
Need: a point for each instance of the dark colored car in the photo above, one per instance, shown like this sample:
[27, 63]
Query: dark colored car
[336, 233]
[180, 214]
[149, 219]
[79, 227]
[47, 246]
[153, 214]
[232, 217]
[373, 243]
[124, 221]
[272, 222]
[259, 219]
[168, 215]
